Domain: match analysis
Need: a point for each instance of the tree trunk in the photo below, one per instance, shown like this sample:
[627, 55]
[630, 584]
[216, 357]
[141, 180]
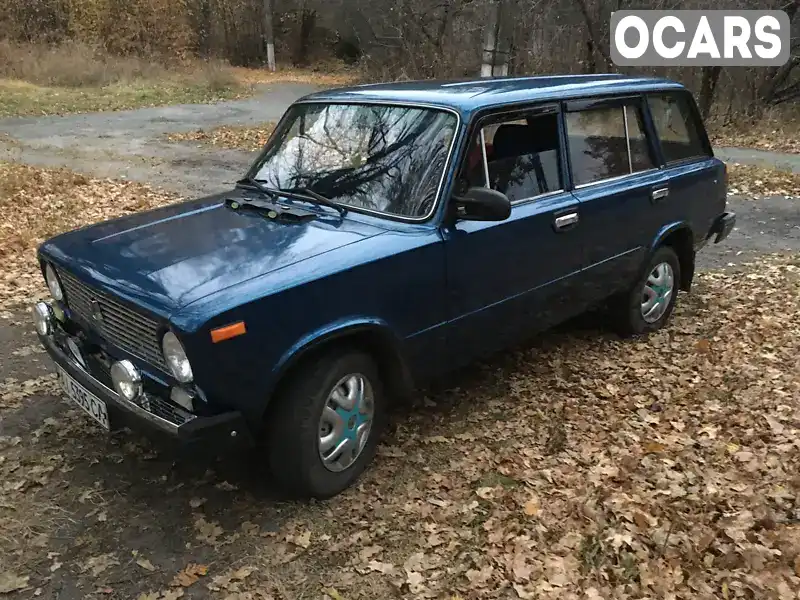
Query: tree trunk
[269, 35]
[308, 19]
[595, 39]
[590, 64]
[203, 28]
[769, 91]
[707, 88]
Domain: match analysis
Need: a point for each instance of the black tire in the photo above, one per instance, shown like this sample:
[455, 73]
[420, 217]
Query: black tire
[292, 429]
[627, 308]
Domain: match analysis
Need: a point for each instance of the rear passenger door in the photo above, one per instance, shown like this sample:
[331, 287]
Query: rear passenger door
[508, 279]
[696, 179]
[615, 177]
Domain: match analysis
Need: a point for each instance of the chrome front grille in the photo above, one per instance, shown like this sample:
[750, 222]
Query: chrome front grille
[122, 326]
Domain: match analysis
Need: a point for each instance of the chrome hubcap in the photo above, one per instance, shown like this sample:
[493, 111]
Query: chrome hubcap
[657, 293]
[346, 422]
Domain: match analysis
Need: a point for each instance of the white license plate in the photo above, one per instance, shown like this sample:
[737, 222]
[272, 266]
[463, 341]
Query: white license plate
[90, 403]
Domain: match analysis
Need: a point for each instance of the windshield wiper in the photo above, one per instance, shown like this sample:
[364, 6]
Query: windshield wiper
[310, 195]
[258, 186]
[300, 193]
[270, 209]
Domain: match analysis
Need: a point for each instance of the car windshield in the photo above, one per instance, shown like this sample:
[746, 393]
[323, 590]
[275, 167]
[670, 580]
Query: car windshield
[382, 158]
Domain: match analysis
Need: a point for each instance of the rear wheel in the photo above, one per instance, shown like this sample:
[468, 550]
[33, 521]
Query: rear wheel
[648, 305]
[325, 423]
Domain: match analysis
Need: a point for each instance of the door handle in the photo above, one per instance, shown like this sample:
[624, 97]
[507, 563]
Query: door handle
[565, 221]
[659, 194]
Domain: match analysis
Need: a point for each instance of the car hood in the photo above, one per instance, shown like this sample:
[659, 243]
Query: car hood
[169, 257]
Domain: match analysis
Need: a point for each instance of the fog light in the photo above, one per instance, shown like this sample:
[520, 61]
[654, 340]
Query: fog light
[126, 380]
[182, 398]
[43, 318]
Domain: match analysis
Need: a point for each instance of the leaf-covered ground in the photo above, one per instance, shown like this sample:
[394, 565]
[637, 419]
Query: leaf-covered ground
[777, 130]
[774, 135]
[581, 466]
[247, 138]
[38, 203]
[757, 182]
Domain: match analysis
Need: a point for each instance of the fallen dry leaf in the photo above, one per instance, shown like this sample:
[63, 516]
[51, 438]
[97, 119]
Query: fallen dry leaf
[207, 531]
[98, 564]
[532, 507]
[11, 582]
[380, 567]
[303, 540]
[189, 575]
[145, 564]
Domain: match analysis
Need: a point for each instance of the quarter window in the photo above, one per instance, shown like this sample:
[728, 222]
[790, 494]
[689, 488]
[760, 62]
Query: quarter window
[522, 157]
[678, 130]
[607, 142]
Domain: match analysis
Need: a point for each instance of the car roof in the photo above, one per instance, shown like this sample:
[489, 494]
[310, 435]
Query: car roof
[468, 95]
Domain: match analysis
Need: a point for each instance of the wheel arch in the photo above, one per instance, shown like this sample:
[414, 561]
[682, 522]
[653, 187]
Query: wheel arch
[372, 336]
[680, 238]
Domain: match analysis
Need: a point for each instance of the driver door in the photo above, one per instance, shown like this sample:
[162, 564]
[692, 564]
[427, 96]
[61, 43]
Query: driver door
[511, 278]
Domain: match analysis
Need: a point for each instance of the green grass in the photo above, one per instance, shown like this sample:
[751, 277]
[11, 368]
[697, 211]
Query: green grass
[18, 98]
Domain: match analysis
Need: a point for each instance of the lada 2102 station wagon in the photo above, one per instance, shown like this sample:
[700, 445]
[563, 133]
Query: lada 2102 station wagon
[386, 234]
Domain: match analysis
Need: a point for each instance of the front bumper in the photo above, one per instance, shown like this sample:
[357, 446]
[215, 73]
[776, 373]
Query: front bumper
[722, 226]
[227, 429]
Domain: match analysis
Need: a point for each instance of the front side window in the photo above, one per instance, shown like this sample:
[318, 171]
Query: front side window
[607, 142]
[676, 127]
[389, 159]
[522, 157]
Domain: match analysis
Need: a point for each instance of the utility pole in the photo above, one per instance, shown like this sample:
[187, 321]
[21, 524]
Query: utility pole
[269, 36]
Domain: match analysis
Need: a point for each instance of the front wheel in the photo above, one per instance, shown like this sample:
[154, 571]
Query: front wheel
[649, 303]
[324, 427]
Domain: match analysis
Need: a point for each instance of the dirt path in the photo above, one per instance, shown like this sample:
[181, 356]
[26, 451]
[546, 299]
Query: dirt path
[131, 144]
[761, 158]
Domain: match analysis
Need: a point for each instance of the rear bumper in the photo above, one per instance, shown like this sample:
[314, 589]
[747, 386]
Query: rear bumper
[228, 429]
[722, 227]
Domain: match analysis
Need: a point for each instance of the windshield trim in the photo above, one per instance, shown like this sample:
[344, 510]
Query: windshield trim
[385, 215]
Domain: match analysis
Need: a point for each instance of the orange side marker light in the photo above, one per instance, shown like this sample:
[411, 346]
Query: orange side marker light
[220, 334]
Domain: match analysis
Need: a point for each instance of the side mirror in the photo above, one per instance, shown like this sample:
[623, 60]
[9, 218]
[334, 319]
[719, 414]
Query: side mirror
[482, 204]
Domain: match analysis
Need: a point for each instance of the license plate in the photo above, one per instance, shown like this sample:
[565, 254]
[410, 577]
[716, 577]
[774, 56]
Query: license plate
[91, 404]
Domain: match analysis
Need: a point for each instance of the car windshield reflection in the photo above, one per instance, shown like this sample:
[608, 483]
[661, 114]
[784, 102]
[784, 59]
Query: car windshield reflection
[389, 159]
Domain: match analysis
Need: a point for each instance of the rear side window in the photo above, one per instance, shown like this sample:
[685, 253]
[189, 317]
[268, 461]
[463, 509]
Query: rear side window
[522, 156]
[607, 142]
[677, 128]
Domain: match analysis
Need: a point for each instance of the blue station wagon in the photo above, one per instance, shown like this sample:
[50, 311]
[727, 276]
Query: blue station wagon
[386, 234]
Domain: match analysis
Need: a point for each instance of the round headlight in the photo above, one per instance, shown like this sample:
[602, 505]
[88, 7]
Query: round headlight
[175, 356]
[126, 380]
[42, 318]
[53, 283]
